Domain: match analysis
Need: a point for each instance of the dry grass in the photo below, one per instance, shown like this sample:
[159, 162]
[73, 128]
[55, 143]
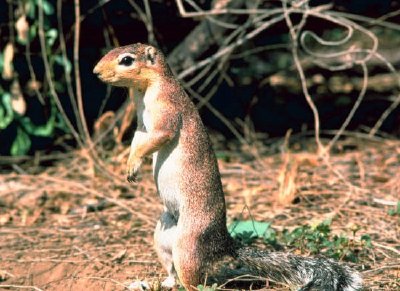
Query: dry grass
[54, 238]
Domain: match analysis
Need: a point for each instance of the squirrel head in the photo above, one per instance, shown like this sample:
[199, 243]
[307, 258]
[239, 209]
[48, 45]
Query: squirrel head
[131, 65]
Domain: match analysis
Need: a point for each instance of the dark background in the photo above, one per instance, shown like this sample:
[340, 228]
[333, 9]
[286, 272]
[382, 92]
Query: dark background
[247, 95]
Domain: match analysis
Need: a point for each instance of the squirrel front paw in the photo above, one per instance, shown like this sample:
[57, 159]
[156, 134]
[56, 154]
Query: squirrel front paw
[139, 285]
[134, 164]
[131, 178]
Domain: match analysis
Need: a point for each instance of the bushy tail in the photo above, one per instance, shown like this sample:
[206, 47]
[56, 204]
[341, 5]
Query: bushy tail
[304, 272]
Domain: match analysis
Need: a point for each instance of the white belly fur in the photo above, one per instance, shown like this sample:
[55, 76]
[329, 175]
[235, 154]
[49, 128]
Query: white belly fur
[167, 168]
[167, 171]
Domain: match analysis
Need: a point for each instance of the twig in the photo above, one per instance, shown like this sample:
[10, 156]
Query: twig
[396, 266]
[211, 18]
[395, 103]
[78, 86]
[217, 11]
[367, 19]
[149, 25]
[228, 49]
[105, 280]
[32, 72]
[96, 193]
[383, 18]
[385, 202]
[21, 287]
[68, 80]
[356, 105]
[294, 34]
[49, 78]
[387, 248]
[146, 19]
[218, 115]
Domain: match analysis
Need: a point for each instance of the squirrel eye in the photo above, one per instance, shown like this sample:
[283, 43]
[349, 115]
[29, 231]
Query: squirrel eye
[126, 61]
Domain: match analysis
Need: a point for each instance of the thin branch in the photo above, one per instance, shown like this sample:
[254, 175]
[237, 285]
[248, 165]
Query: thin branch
[149, 23]
[146, 19]
[395, 103]
[366, 19]
[32, 72]
[211, 18]
[68, 80]
[294, 34]
[53, 92]
[228, 49]
[219, 115]
[20, 287]
[356, 105]
[217, 11]
[77, 73]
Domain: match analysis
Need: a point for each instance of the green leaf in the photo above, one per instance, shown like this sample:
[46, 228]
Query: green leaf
[60, 123]
[270, 236]
[48, 8]
[21, 144]
[398, 207]
[44, 130]
[51, 36]
[367, 240]
[60, 60]
[6, 111]
[32, 31]
[323, 227]
[30, 9]
[245, 226]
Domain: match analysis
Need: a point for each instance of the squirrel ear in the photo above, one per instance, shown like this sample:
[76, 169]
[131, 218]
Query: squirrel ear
[151, 54]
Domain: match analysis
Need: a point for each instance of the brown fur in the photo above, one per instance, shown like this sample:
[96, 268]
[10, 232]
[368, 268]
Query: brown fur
[183, 160]
[191, 233]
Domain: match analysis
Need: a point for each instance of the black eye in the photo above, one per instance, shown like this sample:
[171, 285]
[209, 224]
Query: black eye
[126, 61]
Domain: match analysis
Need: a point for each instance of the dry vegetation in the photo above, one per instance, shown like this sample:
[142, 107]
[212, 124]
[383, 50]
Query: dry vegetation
[75, 226]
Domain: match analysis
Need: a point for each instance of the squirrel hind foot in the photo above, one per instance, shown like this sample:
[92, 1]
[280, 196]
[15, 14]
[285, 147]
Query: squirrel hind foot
[169, 283]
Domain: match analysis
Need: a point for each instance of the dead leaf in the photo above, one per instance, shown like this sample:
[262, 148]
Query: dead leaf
[4, 219]
[287, 179]
[17, 98]
[4, 275]
[61, 219]
[380, 178]
[8, 69]
[22, 27]
[31, 219]
[119, 256]
[32, 86]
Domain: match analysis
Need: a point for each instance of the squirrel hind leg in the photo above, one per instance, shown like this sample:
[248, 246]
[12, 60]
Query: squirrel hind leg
[190, 274]
[190, 262]
[164, 238]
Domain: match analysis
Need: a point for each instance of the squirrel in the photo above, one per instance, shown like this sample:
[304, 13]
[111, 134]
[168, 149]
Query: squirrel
[191, 233]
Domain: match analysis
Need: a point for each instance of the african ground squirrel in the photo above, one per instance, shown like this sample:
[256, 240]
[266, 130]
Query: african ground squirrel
[191, 233]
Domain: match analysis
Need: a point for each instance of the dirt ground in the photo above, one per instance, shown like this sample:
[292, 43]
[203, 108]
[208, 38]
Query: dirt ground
[74, 223]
